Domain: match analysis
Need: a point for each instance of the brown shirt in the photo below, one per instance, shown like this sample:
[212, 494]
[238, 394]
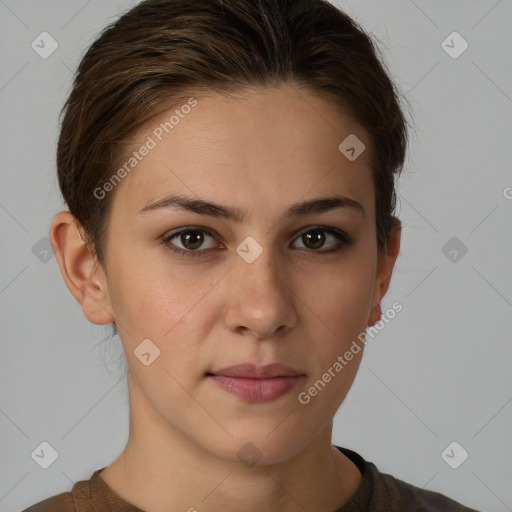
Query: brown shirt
[378, 492]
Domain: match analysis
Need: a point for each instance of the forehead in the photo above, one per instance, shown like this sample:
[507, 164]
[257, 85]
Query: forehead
[272, 145]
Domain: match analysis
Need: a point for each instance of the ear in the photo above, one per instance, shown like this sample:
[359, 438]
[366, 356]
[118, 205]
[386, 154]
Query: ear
[385, 264]
[83, 276]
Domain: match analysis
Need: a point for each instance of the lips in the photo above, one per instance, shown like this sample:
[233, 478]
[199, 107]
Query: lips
[252, 371]
[255, 383]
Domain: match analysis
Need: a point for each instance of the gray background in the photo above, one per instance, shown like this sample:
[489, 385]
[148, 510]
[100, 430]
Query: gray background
[437, 373]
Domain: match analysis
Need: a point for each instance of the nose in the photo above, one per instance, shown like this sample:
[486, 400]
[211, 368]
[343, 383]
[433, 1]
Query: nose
[260, 300]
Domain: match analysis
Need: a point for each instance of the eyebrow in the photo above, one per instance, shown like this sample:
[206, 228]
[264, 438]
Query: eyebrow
[202, 207]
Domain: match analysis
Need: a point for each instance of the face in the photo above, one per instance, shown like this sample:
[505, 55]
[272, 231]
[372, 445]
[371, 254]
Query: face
[280, 284]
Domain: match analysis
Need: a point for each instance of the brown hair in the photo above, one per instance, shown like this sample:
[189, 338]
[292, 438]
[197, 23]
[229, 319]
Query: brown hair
[154, 55]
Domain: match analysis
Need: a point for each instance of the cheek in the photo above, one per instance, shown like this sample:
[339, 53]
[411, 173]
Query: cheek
[341, 307]
[150, 296]
[175, 308]
[342, 296]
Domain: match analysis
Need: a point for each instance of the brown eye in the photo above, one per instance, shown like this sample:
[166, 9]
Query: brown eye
[190, 241]
[314, 239]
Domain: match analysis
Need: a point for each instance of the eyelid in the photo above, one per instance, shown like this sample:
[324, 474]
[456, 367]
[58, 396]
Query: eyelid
[170, 235]
[329, 229]
[177, 231]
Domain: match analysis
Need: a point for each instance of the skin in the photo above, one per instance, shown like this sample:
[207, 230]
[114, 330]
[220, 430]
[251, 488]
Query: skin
[261, 151]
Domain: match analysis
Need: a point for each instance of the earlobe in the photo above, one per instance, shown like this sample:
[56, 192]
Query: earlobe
[385, 265]
[85, 280]
[375, 315]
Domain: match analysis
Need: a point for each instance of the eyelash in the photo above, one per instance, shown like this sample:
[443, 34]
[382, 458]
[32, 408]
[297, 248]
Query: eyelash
[341, 236]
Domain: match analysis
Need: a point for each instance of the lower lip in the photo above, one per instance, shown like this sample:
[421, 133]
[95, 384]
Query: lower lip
[257, 390]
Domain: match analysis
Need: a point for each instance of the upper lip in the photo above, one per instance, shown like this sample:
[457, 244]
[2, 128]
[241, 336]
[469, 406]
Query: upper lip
[252, 371]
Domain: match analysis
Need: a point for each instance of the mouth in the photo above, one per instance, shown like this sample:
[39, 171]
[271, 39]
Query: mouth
[253, 371]
[255, 383]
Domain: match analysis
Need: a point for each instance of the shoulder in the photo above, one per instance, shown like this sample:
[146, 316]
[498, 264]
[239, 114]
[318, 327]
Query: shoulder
[62, 502]
[382, 492]
[79, 499]
[409, 497]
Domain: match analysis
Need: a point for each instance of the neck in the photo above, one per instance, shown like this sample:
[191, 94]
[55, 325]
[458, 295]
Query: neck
[161, 470]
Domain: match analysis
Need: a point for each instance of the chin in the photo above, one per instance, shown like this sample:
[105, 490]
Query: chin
[260, 445]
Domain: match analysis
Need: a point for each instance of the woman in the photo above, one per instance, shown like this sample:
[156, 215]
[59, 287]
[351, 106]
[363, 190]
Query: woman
[229, 171]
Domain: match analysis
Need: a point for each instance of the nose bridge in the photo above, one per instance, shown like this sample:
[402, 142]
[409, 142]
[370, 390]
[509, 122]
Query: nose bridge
[257, 265]
[261, 300]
